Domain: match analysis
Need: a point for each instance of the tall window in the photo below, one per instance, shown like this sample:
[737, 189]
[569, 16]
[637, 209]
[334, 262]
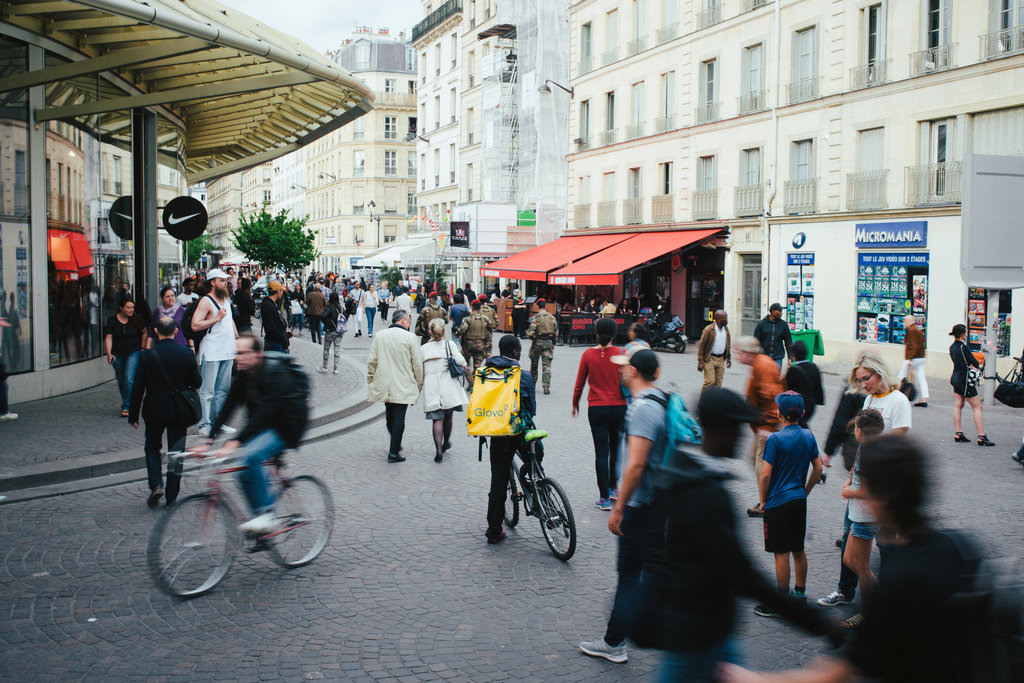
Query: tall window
[363, 56]
[451, 163]
[634, 187]
[609, 187]
[937, 23]
[708, 93]
[871, 149]
[585, 119]
[752, 79]
[468, 180]
[801, 162]
[584, 184]
[390, 85]
[611, 36]
[410, 204]
[668, 12]
[358, 162]
[667, 94]
[471, 66]
[665, 178]
[874, 34]
[609, 111]
[639, 18]
[750, 167]
[939, 143]
[390, 127]
[706, 179]
[1011, 13]
[437, 59]
[586, 47]
[437, 111]
[804, 68]
[453, 104]
[437, 168]
[468, 125]
[412, 164]
[455, 49]
[638, 94]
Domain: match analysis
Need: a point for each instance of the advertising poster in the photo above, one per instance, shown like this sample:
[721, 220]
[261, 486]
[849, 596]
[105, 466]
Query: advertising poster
[800, 291]
[889, 287]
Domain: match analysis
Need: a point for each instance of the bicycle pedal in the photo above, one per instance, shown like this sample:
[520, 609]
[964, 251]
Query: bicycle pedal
[258, 546]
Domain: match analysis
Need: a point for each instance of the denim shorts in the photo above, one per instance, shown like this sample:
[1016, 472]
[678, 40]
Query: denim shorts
[862, 530]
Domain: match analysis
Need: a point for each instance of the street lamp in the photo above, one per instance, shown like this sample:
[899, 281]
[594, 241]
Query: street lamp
[413, 136]
[374, 217]
[546, 89]
[333, 177]
[301, 187]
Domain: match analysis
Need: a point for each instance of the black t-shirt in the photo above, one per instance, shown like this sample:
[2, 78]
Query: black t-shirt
[907, 634]
[127, 337]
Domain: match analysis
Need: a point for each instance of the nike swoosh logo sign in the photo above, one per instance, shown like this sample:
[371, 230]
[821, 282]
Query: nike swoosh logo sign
[174, 220]
[124, 216]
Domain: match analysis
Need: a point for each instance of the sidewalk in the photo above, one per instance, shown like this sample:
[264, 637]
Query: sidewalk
[82, 435]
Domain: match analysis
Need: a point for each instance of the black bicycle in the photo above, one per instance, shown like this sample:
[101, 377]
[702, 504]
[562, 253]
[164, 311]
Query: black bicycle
[541, 497]
[192, 545]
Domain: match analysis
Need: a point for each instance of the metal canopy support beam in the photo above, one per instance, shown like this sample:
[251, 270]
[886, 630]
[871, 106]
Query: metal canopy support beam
[144, 202]
[113, 60]
[199, 92]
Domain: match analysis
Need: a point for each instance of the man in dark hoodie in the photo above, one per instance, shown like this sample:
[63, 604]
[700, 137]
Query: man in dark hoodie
[503, 448]
[701, 569]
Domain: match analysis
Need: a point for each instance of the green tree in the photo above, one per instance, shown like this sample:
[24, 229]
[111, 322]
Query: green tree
[194, 249]
[275, 241]
[435, 273]
[392, 274]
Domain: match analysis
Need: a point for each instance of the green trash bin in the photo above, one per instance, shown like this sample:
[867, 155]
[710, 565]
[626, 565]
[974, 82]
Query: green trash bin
[812, 338]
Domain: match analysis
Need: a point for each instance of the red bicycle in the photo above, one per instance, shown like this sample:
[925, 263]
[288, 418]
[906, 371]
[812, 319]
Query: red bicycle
[193, 544]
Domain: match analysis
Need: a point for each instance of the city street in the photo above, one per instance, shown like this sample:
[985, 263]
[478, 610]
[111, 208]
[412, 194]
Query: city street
[408, 589]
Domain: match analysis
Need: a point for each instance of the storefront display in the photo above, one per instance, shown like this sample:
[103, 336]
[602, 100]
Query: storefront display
[978, 319]
[800, 291]
[889, 287]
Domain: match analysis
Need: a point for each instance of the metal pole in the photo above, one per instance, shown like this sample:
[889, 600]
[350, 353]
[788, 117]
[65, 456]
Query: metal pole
[144, 204]
[990, 344]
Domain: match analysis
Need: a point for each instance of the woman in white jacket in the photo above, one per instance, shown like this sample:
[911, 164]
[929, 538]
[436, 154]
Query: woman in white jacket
[442, 393]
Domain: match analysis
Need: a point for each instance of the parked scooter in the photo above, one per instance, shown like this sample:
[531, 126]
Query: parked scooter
[666, 333]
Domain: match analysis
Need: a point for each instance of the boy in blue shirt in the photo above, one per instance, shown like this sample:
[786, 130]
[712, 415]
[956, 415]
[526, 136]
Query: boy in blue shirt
[783, 484]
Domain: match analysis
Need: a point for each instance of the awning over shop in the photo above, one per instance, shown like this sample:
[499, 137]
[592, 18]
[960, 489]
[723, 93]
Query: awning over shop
[70, 252]
[605, 267]
[535, 264]
[411, 251]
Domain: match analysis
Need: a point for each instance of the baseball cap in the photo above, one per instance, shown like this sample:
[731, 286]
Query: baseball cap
[775, 307]
[720, 407]
[216, 272]
[275, 286]
[791, 405]
[644, 360]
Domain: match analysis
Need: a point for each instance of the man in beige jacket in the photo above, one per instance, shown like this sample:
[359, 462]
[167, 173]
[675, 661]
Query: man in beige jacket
[395, 376]
[714, 351]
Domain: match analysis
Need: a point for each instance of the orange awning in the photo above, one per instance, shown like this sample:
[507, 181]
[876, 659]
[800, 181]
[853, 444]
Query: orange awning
[70, 252]
[535, 264]
[605, 267]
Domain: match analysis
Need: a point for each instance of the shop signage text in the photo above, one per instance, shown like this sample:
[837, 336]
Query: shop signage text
[562, 279]
[893, 259]
[886, 235]
[800, 259]
[460, 234]
[484, 272]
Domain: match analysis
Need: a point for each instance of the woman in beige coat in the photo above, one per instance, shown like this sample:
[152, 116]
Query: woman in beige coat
[442, 393]
[394, 376]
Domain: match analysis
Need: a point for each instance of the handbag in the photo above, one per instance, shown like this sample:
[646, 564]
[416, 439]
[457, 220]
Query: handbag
[187, 407]
[296, 308]
[454, 369]
[1010, 393]
[973, 373]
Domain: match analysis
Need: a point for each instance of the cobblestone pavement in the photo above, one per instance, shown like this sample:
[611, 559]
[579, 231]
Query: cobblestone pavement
[89, 421]
[407, 589]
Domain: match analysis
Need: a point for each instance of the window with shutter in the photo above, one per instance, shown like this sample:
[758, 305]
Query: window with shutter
[871, 150]
[999, 132]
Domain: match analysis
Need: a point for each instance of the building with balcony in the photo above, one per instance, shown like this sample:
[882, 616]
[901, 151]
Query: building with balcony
[794, 128]
[360, 180]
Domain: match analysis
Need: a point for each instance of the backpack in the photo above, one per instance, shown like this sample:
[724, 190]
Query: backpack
[495, 408]
[680, 427]
[300, 380]
[186, 321]
[341, 327]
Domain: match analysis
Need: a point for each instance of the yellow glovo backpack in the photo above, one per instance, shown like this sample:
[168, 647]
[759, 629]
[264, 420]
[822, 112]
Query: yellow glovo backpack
[494, 406]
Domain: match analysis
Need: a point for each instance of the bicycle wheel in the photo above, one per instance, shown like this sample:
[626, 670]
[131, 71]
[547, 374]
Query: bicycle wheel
[191, 546]
[306, 510]
[556, 520]
[512, 502]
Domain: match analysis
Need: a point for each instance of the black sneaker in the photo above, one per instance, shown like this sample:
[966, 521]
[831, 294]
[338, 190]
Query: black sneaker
[393, 457]
[836, 597]
[764, 611]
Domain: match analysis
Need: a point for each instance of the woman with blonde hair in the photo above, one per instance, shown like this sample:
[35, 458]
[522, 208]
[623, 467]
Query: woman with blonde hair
[873, 376]
[442, 393]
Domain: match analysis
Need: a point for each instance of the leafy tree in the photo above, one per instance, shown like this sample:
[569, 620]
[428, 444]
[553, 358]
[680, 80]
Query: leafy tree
[435, 273]
[194, 249]
[275, 241]
[392, 274]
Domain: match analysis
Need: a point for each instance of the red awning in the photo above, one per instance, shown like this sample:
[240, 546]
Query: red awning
[534, 264]
[83, 254]
[70, 252]
[605, 267]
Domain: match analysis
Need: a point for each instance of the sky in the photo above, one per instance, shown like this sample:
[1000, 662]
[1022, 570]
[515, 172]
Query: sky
[323, 24]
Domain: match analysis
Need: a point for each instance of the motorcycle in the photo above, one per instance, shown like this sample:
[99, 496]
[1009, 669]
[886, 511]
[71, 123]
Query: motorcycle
[666, 333]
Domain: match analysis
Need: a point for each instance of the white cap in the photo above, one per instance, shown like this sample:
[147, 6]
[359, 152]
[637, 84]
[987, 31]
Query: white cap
[216, 272]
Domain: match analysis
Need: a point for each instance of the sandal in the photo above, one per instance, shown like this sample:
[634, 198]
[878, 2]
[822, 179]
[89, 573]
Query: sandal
[960, 438]
[124, 413]
[983, 440]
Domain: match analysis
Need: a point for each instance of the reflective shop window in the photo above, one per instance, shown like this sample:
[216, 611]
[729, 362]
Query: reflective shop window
[15, 233]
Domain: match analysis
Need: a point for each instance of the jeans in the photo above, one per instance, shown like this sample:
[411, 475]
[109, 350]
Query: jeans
[394, 416]
[175, 442]
[297, 321]
[698, 666]
[371, 313]
[847, 577]
[124, 370]
[332, 339]
[314, 328]
[253, 479]
[4, 405]
[274, 346]
[216, 383]
[642, 530]
[503, 448]
[606, 428]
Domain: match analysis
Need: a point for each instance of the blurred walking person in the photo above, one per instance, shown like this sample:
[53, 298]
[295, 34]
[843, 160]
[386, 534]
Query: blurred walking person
[762, 388]
[914, 358]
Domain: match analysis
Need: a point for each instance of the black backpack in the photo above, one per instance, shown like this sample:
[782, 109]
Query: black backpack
[186, 321]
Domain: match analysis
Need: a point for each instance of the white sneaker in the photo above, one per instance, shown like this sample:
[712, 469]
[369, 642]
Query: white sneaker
[204, 431]
[321, 369]
[600, 648]
[335, 372]
[228, 430]
[8, 416]
[261, 524]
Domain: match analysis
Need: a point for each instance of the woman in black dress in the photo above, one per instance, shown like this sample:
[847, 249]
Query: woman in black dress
[963, 390]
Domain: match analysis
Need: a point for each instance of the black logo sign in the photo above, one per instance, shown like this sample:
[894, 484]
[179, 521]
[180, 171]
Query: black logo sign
[799, 240]
[460, 234]
[185, 218]
[120, 217]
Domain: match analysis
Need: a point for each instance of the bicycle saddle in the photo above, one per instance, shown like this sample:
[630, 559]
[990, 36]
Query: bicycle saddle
[534, 434]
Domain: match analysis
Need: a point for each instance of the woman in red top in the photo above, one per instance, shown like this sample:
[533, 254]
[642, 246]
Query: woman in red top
[606, 407]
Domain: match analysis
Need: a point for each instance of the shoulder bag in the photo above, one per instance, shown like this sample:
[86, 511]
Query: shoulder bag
[187, 407]
[454, 369]
[973, 373]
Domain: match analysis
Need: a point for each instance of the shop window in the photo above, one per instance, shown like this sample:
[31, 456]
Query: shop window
[979, 318]
[889, 287]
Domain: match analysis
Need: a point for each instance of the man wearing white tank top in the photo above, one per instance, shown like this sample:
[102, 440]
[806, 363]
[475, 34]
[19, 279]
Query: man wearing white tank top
[217, 350]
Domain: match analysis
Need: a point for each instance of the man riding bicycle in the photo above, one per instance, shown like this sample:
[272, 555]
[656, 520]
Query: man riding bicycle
[277, 420]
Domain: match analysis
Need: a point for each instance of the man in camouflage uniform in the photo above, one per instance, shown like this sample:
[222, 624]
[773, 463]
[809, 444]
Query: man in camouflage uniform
[476, 333]
[543, 330]
[430, 311]
[486, 310]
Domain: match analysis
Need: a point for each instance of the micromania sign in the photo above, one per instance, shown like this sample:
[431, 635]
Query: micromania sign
[887, 235]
